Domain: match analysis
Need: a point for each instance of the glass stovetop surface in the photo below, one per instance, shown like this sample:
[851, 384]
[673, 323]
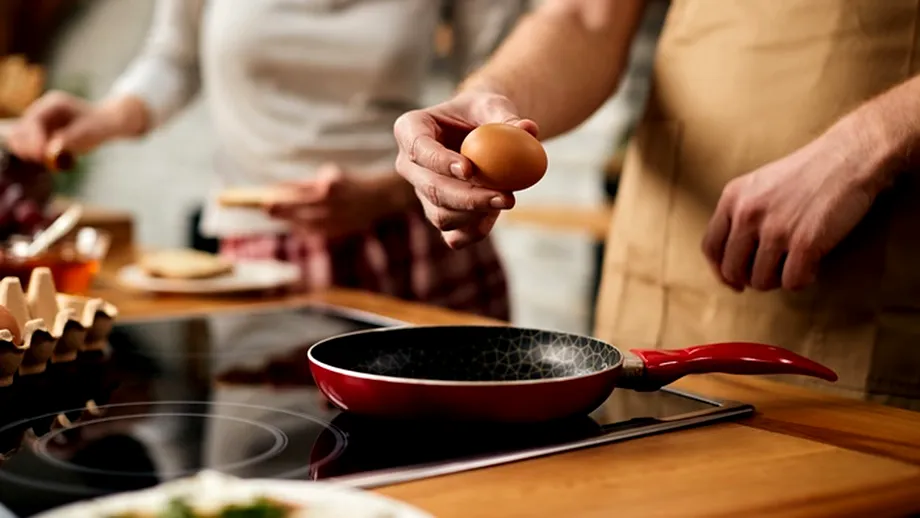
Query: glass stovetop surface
[233, 393]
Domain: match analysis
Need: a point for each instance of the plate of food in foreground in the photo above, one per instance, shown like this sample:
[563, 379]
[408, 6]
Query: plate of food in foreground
[214, 495]
[195, 272]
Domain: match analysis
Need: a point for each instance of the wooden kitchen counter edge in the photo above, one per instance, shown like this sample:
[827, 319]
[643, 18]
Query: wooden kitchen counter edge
[851, 457]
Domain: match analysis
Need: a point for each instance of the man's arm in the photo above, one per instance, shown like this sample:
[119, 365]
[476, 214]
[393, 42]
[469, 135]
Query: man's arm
[881, 138]
[562, 61]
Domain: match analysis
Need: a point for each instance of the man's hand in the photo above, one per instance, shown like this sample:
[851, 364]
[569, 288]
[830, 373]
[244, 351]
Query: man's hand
[444, 180]
[772, 226]
[335, 204]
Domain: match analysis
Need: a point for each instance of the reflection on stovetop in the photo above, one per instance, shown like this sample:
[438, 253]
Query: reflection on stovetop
[168, 399]
[165, 400]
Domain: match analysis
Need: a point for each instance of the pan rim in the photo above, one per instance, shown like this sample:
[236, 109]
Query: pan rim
[455, 383]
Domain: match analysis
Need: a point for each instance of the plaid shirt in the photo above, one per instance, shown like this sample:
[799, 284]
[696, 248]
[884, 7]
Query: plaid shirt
[403, 257]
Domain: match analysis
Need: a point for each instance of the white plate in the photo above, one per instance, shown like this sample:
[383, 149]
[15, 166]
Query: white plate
[210, 490]
[248, 275]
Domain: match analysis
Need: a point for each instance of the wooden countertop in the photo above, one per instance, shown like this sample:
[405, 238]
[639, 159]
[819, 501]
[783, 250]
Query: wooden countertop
[803, 454]
[593, 221]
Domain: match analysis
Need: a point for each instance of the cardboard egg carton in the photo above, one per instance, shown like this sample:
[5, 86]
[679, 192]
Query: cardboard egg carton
[44, 325]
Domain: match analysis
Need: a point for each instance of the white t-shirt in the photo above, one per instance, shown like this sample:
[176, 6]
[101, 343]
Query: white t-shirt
[293, 84]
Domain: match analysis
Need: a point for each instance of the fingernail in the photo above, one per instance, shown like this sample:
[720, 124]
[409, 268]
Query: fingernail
[498, 203]
[457, 170]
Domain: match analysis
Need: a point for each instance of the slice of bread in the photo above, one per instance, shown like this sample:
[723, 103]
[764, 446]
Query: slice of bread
[248, 197]
[184, 264]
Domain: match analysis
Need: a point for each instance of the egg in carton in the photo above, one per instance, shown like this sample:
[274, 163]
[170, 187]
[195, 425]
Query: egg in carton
[46, 325]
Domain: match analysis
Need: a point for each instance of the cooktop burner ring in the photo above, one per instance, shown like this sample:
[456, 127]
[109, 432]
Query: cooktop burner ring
[280, 442]
[44, 484]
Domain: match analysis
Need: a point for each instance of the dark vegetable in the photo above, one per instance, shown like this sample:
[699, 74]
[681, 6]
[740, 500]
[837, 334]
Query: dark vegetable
[177, 508]
[260, 508]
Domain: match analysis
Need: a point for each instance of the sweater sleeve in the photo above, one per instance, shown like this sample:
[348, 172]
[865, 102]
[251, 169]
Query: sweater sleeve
[166, 74]
[479, 27]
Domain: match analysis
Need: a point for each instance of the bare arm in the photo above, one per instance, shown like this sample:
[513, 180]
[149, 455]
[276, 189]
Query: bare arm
[563, 61]
[881, 138]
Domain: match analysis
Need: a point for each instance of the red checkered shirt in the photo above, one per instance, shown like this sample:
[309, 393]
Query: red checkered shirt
[403, 257]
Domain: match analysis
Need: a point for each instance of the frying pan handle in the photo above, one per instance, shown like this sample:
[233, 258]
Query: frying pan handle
[662, 367]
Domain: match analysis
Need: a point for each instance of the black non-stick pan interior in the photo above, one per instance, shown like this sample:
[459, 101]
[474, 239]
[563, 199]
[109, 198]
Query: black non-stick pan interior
[467, 353]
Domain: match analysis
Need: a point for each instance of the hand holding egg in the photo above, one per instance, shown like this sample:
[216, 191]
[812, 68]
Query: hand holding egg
[465, 158]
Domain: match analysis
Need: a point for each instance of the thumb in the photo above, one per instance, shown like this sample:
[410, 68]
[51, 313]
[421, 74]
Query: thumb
[500, 109]
[527, 125]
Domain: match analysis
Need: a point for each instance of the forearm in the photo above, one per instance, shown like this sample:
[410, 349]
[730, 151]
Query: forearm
[125, 116]
[563, 61]
[881, 138]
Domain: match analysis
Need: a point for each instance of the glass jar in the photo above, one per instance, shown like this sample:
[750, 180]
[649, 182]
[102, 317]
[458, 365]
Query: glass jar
[74, 261]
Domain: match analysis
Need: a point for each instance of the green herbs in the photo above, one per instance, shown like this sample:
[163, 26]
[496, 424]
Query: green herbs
[260, 508]
[178, 508]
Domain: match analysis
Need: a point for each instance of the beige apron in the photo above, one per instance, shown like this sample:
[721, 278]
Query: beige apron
[738, 84]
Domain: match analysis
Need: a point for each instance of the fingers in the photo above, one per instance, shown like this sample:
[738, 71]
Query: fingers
[500, 109]
[756, 259]
[447, 220]
[82, 136]
[744, 253]
[303, 193]
[476, 231]
[714, 240]
[801, 268]
[450, 203]
[57, 122]
[768, 266]
[416, 133]
[29, 138]
[736, 264]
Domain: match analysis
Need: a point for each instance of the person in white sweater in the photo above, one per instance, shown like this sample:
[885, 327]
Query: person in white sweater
[304, 94]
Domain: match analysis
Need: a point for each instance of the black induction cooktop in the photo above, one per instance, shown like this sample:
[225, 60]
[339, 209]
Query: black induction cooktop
[233, 393]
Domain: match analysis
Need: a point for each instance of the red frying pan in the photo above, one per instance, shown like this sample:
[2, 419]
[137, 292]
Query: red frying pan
[509, 374]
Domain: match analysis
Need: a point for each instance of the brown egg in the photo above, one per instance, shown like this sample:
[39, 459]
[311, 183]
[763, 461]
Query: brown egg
[507, 158]
[8, 321]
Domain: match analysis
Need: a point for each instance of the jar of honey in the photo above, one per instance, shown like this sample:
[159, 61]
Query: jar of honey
[74, 261]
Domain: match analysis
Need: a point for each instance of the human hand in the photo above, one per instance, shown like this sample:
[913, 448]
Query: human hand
[773, 226]
[60, 121]
[443, 179]
[335, 204]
